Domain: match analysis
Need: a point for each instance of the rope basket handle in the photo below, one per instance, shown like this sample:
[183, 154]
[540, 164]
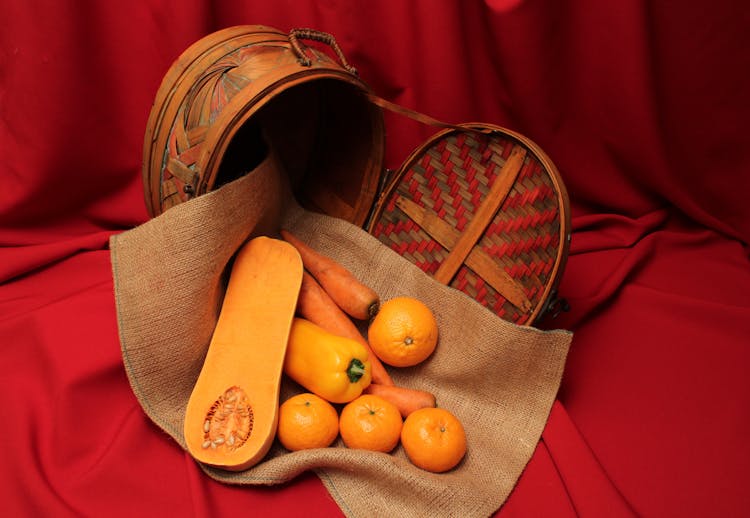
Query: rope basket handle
[322, 37]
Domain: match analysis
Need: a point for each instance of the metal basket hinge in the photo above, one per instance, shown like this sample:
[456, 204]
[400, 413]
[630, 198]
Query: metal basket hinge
[555, 305]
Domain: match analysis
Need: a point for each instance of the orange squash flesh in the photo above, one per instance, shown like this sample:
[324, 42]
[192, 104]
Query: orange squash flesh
[232, 413]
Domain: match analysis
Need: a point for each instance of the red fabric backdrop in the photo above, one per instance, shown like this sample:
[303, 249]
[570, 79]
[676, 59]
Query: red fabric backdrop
[643, 107]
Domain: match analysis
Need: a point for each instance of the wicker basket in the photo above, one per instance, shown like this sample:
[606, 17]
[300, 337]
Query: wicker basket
[235, 93]
[477, 206]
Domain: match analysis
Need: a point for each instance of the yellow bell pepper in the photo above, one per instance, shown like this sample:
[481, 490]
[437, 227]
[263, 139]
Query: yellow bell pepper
[333, 367]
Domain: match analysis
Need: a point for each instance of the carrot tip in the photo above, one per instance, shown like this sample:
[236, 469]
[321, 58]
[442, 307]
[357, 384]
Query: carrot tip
[373, 309]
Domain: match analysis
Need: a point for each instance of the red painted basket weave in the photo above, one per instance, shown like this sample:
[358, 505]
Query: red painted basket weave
[485, 212]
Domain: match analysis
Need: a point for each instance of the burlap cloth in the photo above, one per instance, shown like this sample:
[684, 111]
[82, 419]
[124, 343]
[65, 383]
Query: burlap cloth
[498, 378]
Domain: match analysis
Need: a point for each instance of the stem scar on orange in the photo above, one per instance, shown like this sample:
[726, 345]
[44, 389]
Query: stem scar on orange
[434, 439]
[307, 421]
[370, 423]
[404, 332]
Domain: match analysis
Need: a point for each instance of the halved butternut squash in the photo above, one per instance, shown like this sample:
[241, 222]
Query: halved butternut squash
[232, 413]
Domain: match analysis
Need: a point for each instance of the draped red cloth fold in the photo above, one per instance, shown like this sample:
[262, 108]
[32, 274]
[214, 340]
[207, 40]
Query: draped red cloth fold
[642, 106]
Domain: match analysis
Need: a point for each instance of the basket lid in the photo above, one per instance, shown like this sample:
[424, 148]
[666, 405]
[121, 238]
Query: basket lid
[482, 209]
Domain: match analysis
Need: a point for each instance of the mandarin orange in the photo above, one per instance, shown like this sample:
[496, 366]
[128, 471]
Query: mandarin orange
[404, 332]
[307, 421]
[434, 439]
[370, 423]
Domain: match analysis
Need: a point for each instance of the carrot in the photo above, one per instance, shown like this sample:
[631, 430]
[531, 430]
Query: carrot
[316, 305]
[355, 298]
[405, 399]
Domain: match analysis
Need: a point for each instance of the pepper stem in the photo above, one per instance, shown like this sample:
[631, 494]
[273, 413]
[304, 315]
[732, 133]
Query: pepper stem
[355, 370]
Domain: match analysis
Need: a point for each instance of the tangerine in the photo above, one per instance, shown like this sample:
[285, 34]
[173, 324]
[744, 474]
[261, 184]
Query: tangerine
[404, 332]
[370, 423]
[307, 421]
[434, 439]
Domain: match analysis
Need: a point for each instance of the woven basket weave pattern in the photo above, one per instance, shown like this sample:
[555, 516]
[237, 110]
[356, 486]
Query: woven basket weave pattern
[451, 180]
[211, 92]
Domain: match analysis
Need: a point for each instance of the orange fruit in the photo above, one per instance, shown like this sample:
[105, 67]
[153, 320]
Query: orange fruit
[434, 439]
[307, 421]
[404, 332]
[370, 423]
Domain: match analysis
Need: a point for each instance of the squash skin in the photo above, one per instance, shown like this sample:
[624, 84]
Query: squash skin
[232, 414]
[321, 362]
